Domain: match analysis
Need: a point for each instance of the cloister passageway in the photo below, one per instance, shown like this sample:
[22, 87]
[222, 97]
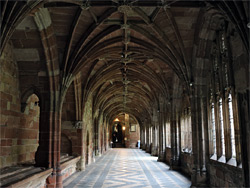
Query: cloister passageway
[81, 78]
[127, 168]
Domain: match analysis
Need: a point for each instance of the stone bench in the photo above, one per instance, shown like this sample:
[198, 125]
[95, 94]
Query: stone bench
[24, 176]
[68, 165]
[27, 175]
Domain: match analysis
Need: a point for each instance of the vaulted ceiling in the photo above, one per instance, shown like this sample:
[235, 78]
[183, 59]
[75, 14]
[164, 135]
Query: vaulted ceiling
[127, 53]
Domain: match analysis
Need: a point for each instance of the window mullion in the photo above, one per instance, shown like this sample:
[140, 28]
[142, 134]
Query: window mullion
[227, 131]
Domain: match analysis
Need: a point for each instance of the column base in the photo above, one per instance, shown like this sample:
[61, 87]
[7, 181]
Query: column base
[161, 157]
[143, 147]
[148, 149]
[51, 180]
[154, 151]
[199, 180]
[175, 164]
[81, 164]
[59, 178]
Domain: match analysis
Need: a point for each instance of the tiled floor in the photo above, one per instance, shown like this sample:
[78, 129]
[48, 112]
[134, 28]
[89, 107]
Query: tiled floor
[127, 168]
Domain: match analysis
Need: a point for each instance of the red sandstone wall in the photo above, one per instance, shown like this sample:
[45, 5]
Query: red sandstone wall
[28, 132]
[19, 133]
[68, 119]
[74, 135]
[9, 109]
[132, 137]
[69, 108]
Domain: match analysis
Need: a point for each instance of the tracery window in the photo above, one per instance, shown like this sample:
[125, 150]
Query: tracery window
[222, 120]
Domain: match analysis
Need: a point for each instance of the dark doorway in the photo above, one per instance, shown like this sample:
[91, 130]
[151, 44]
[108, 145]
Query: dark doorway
[117, 136]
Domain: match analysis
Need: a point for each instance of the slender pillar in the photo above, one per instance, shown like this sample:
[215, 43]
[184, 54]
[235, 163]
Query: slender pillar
[198, 118]
[161, 149]
[174, 163]
[243, 102]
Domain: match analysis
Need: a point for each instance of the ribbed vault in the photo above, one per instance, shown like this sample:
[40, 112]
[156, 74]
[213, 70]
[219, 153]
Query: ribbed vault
[126, 53]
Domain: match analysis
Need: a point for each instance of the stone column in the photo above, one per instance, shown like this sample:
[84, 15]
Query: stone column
[147, 139]
[174, 163]
[199, 176]
[142, 137]
[49, 137]
[154, 141]
[161, 150]
[48, 152]
[195, 146]
[206, 156]
[244, 120]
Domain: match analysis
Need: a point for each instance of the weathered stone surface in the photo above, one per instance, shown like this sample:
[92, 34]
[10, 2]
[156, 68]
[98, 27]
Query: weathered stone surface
[26, 54]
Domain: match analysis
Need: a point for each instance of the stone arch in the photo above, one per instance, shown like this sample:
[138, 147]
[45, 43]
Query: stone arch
[27, 93]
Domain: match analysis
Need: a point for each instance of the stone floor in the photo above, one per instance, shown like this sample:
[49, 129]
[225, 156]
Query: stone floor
[127, 168]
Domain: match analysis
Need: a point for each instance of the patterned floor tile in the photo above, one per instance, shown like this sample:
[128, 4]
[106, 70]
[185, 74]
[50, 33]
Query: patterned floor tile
[127, 168]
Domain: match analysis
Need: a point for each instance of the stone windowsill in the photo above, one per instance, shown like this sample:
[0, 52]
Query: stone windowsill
[222, 160]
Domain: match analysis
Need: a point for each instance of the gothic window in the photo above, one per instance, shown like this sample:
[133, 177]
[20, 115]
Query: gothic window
[213, 135]
[221, 127]
[163, 136]
[168, 134]
[231, 122]
[222, 123]
[151, 134]
[183, 133]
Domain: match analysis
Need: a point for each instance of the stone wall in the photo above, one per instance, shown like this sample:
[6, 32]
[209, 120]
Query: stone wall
[28, 132]
[168, 155]
[88, 131]
[69, 167]
[74, 135]
[69, 107]
[68, 129]
[240, 64]
[10, 108]
[19, 131]
[186, 163]
[133, 136]
[224, 175]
